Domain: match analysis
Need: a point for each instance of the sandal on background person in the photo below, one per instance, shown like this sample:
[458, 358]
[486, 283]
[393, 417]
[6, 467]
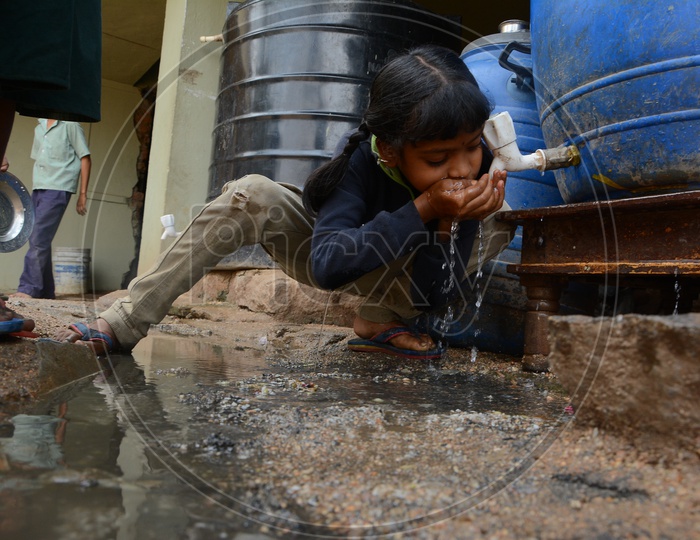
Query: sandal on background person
[13, 323]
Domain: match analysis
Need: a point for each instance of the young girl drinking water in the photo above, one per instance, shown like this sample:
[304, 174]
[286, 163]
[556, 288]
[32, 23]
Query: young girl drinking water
[392, 218]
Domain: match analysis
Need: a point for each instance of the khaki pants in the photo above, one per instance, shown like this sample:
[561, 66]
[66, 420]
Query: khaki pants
[256, 210]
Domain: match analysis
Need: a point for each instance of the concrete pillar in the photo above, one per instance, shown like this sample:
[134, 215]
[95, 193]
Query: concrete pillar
[188, 81]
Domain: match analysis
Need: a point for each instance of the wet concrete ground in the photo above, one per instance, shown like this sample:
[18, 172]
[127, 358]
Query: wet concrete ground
[234, 425]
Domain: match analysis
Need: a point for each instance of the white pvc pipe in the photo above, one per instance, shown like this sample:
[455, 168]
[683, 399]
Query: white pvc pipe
[499, 134]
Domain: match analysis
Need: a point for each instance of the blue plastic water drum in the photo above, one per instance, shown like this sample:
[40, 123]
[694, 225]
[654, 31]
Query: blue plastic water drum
[502, 65]
[621, 80]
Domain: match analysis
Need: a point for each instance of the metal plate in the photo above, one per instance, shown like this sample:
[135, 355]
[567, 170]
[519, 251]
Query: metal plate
[16, 213]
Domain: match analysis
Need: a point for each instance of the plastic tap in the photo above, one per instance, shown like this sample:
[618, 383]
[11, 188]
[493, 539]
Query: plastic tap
[168, 222]
[499, 134]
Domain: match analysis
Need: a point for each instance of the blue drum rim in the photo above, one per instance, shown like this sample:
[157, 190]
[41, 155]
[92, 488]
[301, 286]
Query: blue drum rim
[646, 70]
[688, 115]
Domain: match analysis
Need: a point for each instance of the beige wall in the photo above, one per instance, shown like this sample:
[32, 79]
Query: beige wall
[106, 229]
[178, 175]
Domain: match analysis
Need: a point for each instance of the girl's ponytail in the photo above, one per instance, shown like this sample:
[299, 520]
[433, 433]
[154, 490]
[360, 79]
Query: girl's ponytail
[323, 180]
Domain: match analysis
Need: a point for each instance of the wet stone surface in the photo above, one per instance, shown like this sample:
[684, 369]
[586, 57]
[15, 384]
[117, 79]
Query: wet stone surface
[276, 430]
[386, 451]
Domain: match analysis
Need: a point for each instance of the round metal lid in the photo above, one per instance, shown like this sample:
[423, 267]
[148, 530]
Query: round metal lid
[16, 213]
[510, 30]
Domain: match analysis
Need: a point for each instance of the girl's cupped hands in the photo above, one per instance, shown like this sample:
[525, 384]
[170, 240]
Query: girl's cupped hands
[451, 199]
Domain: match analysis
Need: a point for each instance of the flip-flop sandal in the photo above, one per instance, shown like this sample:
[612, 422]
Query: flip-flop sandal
[88, 334]
[25, 333]
[11, 326]
[380, 344]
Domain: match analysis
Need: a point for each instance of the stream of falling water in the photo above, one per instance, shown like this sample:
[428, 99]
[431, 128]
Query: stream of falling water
[677, 290]
[452, 282]
[477, 287]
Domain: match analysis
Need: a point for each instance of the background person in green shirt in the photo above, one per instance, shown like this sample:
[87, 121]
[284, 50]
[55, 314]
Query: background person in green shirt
[61, 167]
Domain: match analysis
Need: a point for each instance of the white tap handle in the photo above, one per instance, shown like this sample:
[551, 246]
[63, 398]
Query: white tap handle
[499, 131]
[499, 134]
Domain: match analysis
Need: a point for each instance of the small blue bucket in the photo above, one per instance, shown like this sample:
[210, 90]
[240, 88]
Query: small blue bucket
[71, 269]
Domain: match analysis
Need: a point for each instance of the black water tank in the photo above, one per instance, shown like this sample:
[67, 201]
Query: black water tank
[296, 74]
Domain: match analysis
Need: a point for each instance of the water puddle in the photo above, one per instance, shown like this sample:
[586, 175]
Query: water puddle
[163, 442]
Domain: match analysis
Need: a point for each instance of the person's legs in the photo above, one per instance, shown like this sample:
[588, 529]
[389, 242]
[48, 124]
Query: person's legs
[251, 210]
[254, 210]
[387, 291]
[37, 277]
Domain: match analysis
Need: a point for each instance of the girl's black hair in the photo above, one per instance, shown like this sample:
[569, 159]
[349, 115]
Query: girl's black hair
[425, 94]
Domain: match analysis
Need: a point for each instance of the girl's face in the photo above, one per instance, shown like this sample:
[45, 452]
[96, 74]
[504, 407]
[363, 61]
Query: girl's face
[427, 162]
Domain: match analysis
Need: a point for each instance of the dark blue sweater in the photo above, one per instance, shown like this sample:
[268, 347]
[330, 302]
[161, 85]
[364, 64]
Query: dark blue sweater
[370, 220]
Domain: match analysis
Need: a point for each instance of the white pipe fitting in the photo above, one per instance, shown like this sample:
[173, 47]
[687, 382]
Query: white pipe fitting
[168, 221]
[499, 134]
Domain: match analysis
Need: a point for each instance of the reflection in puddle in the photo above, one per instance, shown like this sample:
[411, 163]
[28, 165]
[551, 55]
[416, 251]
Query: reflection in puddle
[120, 455]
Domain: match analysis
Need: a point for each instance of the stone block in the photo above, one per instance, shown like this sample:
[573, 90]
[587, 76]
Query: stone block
[272, 292]
[633, 374]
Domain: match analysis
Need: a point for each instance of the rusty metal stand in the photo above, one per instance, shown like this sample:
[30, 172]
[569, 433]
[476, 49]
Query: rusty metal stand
[649, 241]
